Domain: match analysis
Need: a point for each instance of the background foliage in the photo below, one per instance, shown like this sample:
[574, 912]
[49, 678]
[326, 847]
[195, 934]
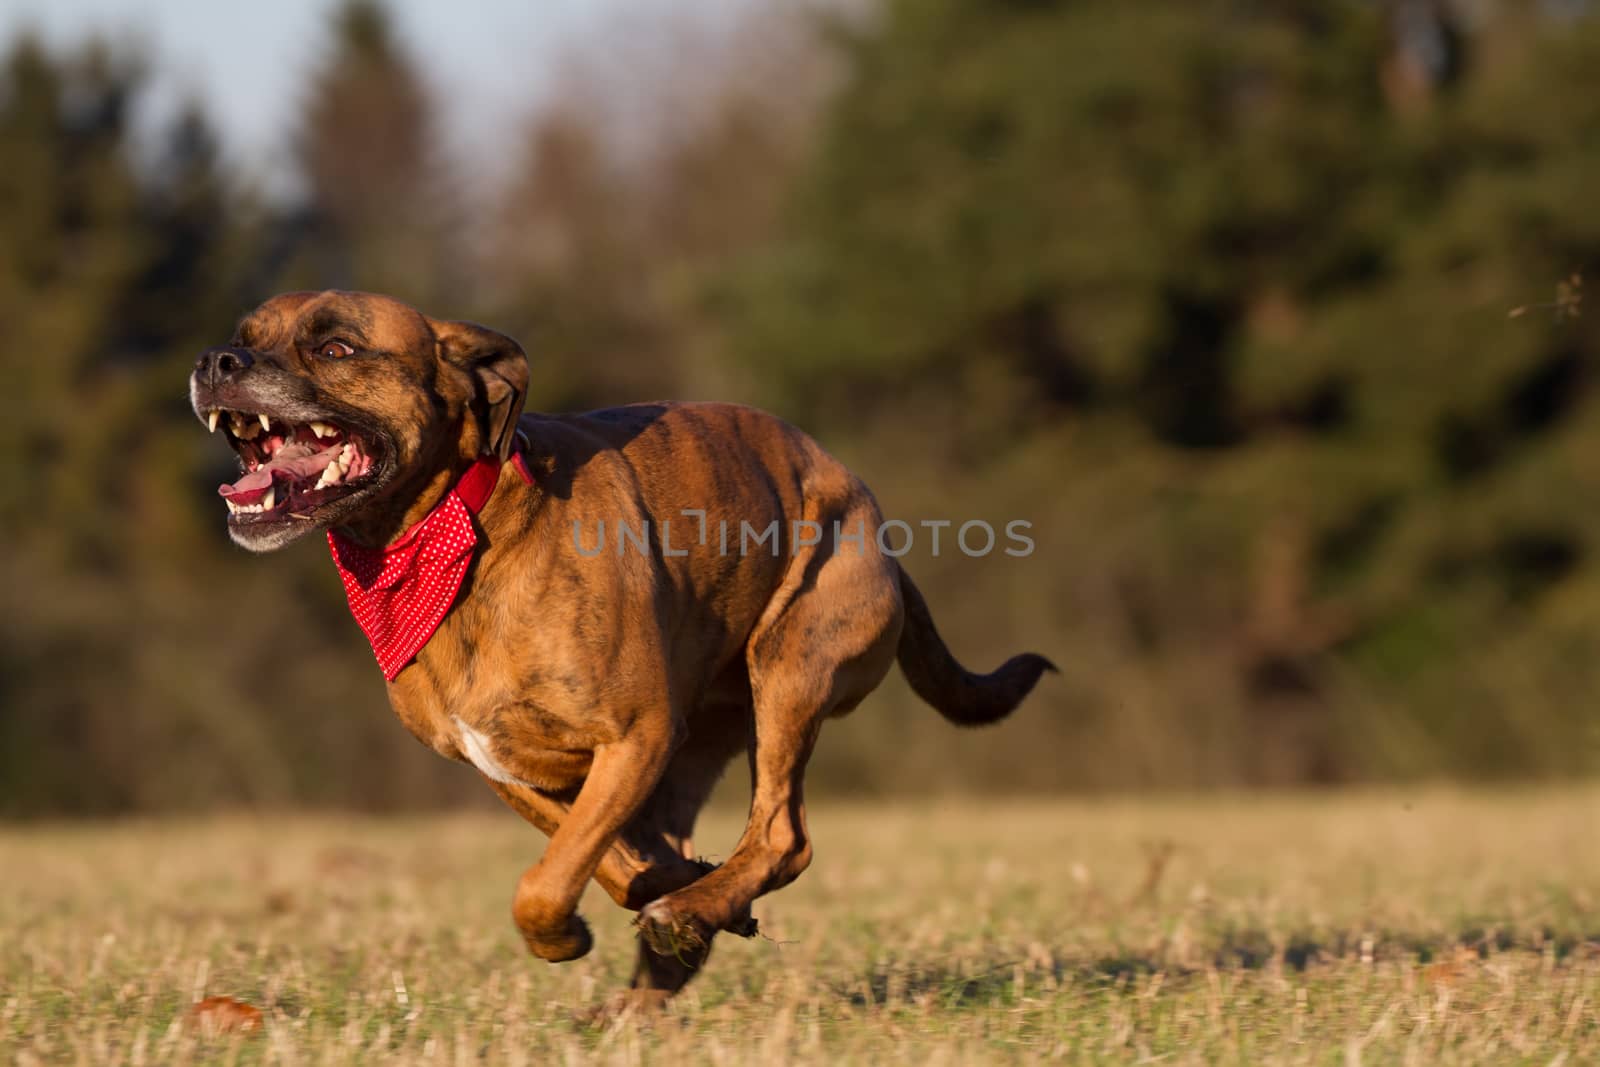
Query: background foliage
[1217, 294]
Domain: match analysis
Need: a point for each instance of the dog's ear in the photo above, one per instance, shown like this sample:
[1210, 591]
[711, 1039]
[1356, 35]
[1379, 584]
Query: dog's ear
[499, 371]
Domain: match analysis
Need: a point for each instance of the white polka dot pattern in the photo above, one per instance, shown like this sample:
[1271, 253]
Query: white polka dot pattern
[400, 594]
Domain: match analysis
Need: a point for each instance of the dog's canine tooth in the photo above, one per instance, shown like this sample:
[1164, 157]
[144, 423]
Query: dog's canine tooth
[270, 499]
[330, 475]
[266, 423]
[322, 429]
[211, 420]
[233, 508]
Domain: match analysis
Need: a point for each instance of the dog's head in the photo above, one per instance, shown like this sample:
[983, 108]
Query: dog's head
[353, 410]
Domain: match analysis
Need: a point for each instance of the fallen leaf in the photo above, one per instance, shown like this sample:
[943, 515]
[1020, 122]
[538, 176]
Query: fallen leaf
[1449, 971]
[222, 1015]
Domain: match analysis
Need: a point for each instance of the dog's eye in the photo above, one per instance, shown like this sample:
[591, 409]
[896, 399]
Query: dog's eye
[335, 350]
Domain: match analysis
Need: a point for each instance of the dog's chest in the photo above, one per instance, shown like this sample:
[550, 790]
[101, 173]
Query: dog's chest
[516, 719]
[519, 743]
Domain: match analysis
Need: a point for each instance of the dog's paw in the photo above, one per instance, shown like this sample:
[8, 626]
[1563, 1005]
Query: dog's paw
[743, 924]
[569, 943]
[667, 933]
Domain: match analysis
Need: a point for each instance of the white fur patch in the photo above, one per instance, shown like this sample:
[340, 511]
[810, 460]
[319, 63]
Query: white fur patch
[476, 748]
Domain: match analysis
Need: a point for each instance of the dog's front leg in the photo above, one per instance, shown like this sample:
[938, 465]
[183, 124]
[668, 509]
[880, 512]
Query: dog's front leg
[621, 777]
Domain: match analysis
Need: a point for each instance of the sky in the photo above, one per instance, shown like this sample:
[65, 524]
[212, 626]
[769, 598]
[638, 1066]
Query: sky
[490, 60]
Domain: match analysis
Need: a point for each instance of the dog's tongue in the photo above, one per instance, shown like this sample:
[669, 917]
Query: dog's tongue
[291, 463]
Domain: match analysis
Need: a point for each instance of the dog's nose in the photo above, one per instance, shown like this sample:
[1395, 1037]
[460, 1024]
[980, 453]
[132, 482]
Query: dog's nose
[217, 365]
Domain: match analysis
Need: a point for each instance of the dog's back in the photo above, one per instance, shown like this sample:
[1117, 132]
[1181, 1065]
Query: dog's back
[743, 487]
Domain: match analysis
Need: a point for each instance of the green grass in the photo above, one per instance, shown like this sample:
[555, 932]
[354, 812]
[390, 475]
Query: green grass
[1376, 927]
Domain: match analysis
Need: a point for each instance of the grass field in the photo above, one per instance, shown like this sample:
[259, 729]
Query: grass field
[1426, 927]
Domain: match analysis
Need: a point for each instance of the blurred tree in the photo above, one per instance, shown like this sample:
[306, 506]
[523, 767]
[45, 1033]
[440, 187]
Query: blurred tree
[1257, 278]
[84, 418]
[1084, 197]
[133, 673]
[380, 212]
[69, 213]
[572, 276]
[608, 231]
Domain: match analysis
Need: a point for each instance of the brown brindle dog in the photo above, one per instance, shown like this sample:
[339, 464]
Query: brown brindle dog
[599, 694]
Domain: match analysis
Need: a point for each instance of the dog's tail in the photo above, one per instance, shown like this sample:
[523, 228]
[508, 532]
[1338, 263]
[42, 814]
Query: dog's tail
[964, 698]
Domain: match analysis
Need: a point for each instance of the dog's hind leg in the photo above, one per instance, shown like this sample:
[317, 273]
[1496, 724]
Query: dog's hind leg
[655, 854]
[825, 641]
[666, 823]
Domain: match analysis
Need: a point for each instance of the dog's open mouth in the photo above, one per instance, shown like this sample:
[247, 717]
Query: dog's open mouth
[290, 470]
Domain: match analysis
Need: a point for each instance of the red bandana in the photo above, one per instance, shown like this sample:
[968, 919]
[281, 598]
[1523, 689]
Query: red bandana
[400, 594]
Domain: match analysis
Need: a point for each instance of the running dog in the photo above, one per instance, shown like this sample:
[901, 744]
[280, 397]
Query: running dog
[600, 688]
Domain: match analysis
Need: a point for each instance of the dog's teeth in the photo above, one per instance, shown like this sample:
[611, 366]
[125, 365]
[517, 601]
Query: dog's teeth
[322, 429]
[211, 419]
[333, 473]
[271, 498]
[233, 508]
[266, 423]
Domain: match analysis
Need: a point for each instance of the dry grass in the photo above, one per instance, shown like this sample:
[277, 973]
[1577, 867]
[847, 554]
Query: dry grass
[1429, 927]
